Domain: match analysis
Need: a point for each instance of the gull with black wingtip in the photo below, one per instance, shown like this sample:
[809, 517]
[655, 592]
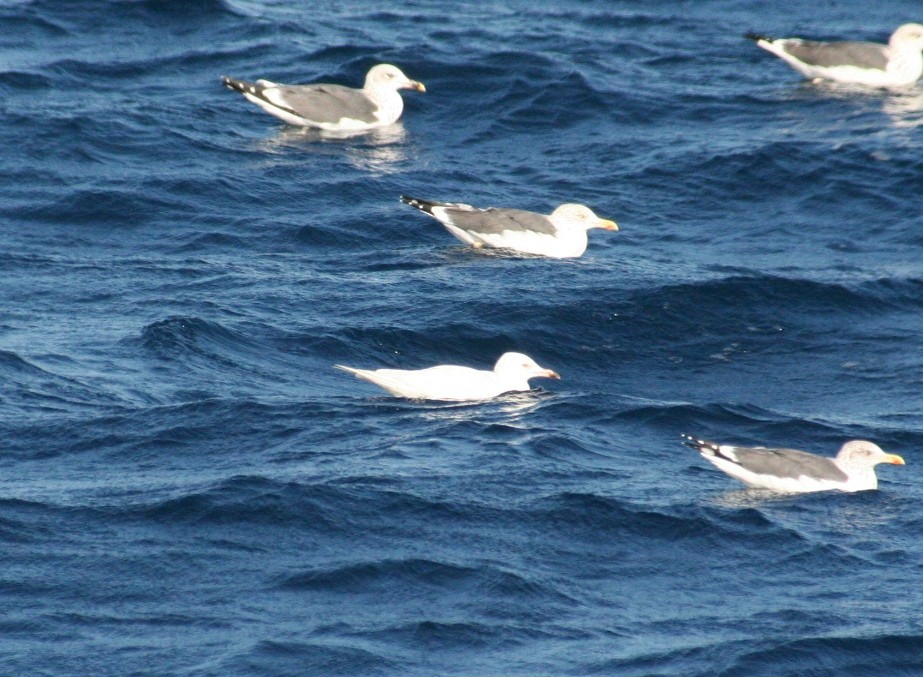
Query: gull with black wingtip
[896, 64]
[561, 234]
[793, 471]
[333, 107]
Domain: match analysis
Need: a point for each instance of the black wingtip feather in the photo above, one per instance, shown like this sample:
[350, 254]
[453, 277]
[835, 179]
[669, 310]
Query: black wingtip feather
[422, 205]
[756, 37]
[699, 445]
[236, 85]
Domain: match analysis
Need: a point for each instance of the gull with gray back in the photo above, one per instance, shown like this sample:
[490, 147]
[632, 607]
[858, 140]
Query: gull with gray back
[793, 471]
[561, 234]
[896, 64]
[333, 107]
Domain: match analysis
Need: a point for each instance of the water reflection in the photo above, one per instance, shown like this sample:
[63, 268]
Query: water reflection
[905, 108]
[507, 409]
[865, 510]
[842, 512]
[378, 150]
[904, 105]
[742, 499]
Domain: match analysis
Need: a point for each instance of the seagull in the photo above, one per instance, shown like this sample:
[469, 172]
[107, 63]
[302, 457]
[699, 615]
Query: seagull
[333, 107]
[562, 234]
[793, 471]
[865, 63]
[457, 384]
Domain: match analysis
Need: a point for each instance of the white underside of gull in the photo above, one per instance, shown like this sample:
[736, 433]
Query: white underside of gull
[446, 382]
[558, 246]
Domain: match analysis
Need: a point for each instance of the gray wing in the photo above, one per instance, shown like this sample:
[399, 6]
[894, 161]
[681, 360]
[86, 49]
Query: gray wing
[785, 463]
[497, 220]
[327, 103]
[830, 54]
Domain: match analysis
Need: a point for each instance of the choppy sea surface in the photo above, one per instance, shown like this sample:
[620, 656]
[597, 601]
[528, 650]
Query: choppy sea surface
[187, 486]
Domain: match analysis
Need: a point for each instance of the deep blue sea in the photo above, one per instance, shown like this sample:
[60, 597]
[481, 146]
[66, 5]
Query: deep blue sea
[187, 486]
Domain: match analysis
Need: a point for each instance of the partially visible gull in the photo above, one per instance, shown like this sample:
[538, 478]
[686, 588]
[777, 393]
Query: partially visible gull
[451, 383]
[793, 471]
[333, 107]
[562, 234]
[865, 63]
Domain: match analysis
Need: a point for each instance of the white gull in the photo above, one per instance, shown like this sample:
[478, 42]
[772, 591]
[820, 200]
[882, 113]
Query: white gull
[453, 383]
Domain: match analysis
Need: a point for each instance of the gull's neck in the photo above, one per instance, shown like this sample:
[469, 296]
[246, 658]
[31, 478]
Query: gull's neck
[570, 240]
[860, 476]
[907, 61]
[513, 381]
[389, 102]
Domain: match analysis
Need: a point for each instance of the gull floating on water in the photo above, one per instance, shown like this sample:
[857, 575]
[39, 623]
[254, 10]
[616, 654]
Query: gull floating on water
[452, 383]
[562, 234]
[793, 471]
[865, 63]
[333, 107]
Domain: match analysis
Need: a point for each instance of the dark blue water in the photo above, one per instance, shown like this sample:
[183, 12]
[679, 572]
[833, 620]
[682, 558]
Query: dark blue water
[188, 487]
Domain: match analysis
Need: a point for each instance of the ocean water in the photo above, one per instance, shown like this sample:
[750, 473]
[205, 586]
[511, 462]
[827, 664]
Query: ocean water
[187, 486]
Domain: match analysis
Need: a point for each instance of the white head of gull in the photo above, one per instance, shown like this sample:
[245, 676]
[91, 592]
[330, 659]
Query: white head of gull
[448, 382]
[794, 471]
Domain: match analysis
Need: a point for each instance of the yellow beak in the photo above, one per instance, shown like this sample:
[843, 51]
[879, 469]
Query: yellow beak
[419, 86]
[895, 459]
[606, 224]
